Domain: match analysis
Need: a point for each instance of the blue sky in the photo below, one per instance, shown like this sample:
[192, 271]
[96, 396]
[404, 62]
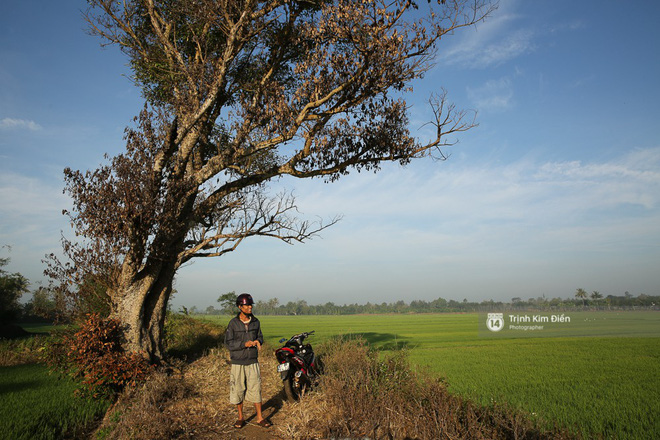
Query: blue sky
[558, 187]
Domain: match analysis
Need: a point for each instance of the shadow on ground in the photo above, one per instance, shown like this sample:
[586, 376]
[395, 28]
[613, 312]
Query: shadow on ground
[384, 341]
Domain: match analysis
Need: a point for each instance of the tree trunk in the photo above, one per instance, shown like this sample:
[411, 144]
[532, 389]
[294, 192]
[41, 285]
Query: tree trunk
[144, 290]
[140, 306]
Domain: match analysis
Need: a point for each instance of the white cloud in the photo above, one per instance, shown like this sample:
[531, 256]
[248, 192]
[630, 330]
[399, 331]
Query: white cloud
[458, 230]
[493, 95]
[30, 209]
[492, 42]
[571, 25]
[486, 207]
[19, 124]
[31, 221]
[485, 50]
[500, 38]
[443, 229]
[632, 180]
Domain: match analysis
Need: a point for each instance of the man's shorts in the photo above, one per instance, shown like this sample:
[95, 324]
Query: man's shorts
[245, 383]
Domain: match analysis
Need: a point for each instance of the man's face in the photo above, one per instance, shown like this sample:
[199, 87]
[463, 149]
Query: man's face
[246, 309]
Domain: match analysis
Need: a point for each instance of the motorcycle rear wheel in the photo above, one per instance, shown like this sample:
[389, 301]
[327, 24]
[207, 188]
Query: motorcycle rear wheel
[292, 393]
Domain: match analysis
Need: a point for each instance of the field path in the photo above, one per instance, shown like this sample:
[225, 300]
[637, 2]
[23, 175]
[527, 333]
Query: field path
[209, 415]
[272, 410]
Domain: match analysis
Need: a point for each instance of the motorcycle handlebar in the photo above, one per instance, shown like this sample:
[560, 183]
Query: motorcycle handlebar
[300, 336]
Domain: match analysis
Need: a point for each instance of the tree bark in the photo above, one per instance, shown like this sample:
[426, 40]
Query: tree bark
[141, 306]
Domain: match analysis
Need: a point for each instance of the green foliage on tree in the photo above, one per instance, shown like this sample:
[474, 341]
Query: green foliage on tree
[12, 287]
[580, 293]
[42, 304]
[228, 302]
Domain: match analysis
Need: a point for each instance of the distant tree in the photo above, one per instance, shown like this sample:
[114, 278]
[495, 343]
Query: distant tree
[453, 305]
[580, 293]
[268, 307]
[12, 287]
[418, 305]
[83, 289]
[228, 302]
[42, 304]
[439, 303]
[240, 93]
[301, 307]
[273, 303]
[555, 303]
[330, 308]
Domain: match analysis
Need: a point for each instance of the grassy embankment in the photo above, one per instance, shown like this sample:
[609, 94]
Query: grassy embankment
[36, 404]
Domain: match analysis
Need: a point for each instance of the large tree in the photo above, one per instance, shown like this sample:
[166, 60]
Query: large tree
[238, 93]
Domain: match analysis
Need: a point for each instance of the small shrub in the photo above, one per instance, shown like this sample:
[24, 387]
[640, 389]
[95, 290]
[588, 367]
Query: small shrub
[94, 354]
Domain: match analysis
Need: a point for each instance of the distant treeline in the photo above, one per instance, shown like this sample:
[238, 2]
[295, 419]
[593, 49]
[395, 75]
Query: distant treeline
[441, 305]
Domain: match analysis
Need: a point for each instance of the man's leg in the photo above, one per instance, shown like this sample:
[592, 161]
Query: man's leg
[257, 407]
[253, 392]
[237, 392]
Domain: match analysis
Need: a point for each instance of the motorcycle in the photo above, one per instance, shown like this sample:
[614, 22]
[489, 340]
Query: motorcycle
[298, 366]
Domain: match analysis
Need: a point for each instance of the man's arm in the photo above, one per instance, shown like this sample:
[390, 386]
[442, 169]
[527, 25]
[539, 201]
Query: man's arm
[260, 336]
[231, 342]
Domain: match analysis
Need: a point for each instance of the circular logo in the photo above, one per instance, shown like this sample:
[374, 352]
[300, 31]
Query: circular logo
[495, 322]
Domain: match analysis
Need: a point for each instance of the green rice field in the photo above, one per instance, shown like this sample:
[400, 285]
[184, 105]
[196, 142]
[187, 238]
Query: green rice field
[37, 405]
[601, 376]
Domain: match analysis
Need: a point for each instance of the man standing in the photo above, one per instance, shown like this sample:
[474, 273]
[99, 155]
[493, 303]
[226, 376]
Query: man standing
[243, 339]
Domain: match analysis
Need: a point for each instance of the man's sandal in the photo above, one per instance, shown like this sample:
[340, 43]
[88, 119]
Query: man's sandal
[265, 424]
[239, 424]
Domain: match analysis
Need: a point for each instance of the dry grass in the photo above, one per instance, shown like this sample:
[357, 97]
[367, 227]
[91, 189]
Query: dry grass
[192, 402]
[362, 395]
[26, 350]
